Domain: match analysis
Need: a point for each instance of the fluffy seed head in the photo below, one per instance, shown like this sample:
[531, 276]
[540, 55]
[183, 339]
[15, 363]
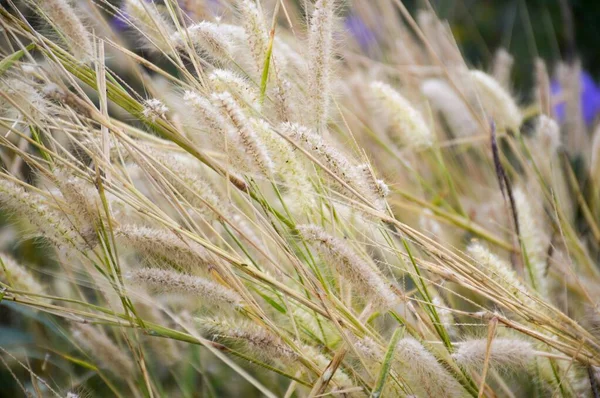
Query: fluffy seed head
[423, 372]
[64, 19]
[429, 225]
[351, 266]
[339, 378]
[168, 281]
[374, 189]
[508, 354]
[50, 223]
[327, 154]
[256, 32]
[503, 63]
[445, 100]
[445, 314]
[82, 199]
[257, 340]
[496, 101]
[408, 126]
[163, 245]
[441, 39]
[291, 62]
[542, 86]
[499, 271]
[16, 276]
[247, 138]
[570, 83]
[104, 350]
[207, 39]
[320, 52]
[548, 132]
[369, 349]
[150, 23]
[25, 99]
[188, 182]
[287, 165]
[318, 147]
[534, 239]
[219, 132]
[153, 109]
[237, 86]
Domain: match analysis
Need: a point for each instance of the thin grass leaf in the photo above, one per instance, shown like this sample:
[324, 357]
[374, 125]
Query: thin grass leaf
[387, 363]
[265, 74]
[10, 60]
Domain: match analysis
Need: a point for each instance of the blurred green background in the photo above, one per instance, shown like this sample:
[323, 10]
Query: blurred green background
[552, 29]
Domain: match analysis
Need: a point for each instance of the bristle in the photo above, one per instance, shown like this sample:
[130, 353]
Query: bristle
[545, 150]
[217, 131]
[290, 61]
[429, 225]
[369, 349]
[548, 132]
[197, 10]
[154, 109]
[358, 177]
[316, 325]
[445, 314]
[258, 42]
[218, 187]
[440, 38]
[339, 378]
[375, 189]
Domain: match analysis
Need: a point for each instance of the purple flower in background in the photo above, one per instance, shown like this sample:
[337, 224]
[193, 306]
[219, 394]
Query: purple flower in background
[215, 7]
[121, 20]
[360, 31]
[590, 99]
[119, 23]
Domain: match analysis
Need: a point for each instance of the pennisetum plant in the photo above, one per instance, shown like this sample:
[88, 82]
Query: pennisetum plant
[219, 214]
